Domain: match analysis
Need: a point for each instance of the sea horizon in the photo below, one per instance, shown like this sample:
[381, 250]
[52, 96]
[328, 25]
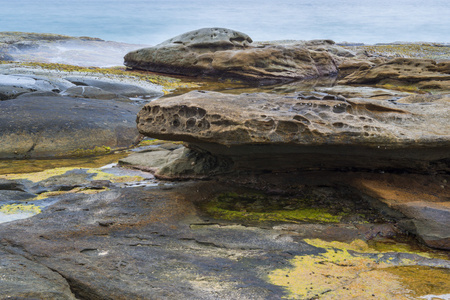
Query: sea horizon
[152, 22]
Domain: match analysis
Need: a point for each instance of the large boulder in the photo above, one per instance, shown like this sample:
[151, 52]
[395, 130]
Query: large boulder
[267, 139]
[55, 126]
[228, 53]
[284, 132]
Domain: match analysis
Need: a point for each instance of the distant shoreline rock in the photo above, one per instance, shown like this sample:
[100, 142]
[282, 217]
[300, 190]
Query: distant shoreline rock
[55, 48]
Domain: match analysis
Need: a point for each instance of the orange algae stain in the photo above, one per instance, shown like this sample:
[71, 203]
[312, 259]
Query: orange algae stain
[423, 280]
[343, 272]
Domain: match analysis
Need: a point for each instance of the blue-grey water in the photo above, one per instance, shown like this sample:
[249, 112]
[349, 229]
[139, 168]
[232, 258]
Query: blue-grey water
[153, 21]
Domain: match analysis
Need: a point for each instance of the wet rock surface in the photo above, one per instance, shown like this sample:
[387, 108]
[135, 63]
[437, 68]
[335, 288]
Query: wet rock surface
[55, 48]
[164, 242]
[25, 279]
[80, 123]
[118, 88]
[28, 130]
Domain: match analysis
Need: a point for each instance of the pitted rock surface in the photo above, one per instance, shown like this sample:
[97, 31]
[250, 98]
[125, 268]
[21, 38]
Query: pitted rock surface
[226, 53]
[299, 130]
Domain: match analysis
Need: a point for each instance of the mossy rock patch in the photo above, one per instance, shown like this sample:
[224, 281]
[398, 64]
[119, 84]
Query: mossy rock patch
[258, 207]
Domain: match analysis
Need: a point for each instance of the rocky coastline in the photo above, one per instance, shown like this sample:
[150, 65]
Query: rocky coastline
[215, 167]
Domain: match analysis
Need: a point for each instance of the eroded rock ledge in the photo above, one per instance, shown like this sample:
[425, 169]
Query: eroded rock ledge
[279, 141]
[228, 53]
[303, 132]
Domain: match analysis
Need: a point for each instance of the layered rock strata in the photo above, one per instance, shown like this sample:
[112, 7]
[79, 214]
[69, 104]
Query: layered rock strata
[228, 53]
[274, 132]
[425, 73]
[272, 137]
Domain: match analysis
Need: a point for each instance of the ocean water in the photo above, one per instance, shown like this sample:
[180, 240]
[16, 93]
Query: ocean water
[153, 21]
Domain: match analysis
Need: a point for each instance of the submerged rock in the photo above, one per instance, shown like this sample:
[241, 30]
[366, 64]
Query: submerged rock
[228, 53]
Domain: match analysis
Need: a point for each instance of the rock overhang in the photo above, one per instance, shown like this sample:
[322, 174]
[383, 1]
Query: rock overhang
[297, 131]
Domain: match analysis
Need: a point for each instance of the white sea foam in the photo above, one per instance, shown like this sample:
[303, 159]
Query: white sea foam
[436, 297]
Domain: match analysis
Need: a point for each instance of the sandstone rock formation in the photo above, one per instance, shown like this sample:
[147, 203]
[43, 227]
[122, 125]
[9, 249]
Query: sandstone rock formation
[274, 132]
[348, 91]
[424, 72]
[228, 53]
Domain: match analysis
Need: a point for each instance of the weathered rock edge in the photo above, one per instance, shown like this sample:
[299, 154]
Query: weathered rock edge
[288, 132]
[227, 53]
[57, 126]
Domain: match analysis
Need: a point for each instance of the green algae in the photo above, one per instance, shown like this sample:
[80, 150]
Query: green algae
[258, 207]
[91, 152]
[342, 272]
[152, 142]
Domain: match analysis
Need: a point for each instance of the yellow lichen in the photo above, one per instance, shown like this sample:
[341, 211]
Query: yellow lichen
[38, 165]
[10, 209]
[39, 176]
[150, 142]
[339, 274]
[79, 190]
